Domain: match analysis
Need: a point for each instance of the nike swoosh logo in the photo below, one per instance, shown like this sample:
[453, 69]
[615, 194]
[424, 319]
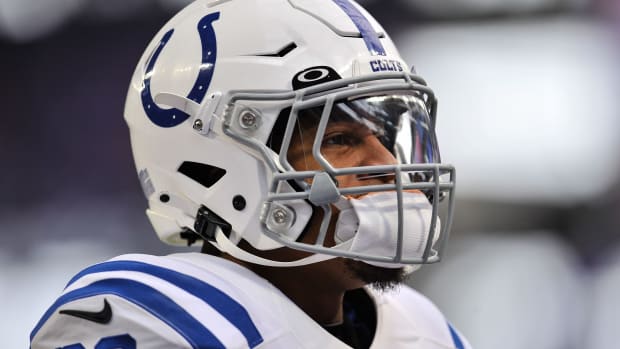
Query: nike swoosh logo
[101, 317]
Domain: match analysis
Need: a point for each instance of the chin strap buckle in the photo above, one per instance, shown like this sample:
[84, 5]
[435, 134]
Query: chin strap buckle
[207, 222]
[190, 236]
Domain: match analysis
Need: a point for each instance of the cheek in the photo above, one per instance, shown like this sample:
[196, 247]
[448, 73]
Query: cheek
[307, 164]
[347, 157]
[303, 160]
[347, 181]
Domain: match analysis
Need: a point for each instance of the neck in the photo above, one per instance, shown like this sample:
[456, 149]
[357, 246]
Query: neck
[323, 305]
[312, 288]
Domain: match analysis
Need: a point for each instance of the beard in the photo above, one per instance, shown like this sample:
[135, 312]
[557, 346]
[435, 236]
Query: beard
[379, 278]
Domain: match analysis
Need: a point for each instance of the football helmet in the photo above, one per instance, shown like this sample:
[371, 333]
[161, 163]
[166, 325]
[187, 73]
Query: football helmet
[220, 97]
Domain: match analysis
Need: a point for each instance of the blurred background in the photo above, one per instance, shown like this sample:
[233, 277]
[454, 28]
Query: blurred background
[528, 113]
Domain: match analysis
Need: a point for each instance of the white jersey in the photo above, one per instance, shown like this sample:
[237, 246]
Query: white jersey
[194, 300]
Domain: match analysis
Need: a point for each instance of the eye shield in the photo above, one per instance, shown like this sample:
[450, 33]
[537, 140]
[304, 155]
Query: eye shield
[400, 122]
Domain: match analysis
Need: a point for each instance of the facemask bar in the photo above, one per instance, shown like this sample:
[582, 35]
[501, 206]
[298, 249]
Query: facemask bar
[437, 171]
[325, 95]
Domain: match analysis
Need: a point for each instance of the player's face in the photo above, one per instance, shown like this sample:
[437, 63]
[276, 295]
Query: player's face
[346, 143]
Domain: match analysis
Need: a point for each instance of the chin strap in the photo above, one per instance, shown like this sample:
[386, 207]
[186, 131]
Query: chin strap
[225, 245]
[216, 231]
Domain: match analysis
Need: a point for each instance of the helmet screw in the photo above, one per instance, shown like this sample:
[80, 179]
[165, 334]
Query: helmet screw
[198, 125]
[248, 119]
[280, 216]
[238, 202]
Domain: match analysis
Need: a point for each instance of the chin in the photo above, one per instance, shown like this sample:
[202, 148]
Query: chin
[379, 278]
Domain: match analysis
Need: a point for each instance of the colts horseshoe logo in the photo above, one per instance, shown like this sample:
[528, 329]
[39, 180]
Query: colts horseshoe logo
[173, 117]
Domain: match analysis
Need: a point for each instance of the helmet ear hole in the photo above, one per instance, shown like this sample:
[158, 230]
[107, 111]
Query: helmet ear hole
[207, 175]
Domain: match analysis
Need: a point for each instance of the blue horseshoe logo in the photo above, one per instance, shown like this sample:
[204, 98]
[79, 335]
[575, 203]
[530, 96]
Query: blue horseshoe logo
[173, 117]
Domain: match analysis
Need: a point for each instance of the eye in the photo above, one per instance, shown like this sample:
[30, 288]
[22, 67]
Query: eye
[340, 139]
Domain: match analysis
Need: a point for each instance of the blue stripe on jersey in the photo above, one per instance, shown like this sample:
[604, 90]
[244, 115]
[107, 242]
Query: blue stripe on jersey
[455, 338]
[363, 25]
[150, 300]
[218, 300]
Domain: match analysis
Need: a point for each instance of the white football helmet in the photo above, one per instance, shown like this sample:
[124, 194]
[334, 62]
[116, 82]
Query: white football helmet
[214, 106]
